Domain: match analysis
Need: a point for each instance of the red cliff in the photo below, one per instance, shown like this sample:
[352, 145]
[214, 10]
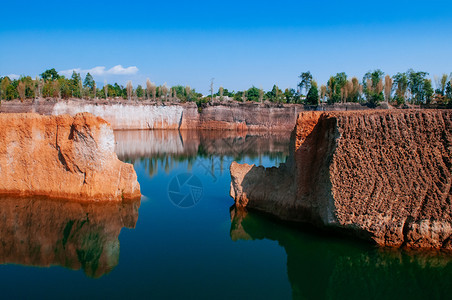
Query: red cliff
[383, 175]
[62, 157]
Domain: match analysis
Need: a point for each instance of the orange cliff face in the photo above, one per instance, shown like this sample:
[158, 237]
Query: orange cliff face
[382, 175]
[63, 157]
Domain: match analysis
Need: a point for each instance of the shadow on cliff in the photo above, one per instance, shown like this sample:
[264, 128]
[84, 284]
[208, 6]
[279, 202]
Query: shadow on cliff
[74, 235]
[320, 266]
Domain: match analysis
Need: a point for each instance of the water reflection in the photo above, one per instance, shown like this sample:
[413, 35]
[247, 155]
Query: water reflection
[168, 148]
[41, 232]
[329, 267]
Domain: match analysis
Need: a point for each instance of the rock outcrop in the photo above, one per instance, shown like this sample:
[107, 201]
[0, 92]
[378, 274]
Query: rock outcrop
[382, 175]
[72, 234]
[62, 157]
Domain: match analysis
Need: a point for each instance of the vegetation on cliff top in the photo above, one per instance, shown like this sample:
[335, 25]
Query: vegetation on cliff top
[410, 87]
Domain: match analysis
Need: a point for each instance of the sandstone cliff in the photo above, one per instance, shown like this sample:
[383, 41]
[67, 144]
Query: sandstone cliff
[62, 157]
[383, 175]
[71, 234]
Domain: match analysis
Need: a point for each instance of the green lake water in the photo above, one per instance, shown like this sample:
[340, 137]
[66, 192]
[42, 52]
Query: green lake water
[184, 240]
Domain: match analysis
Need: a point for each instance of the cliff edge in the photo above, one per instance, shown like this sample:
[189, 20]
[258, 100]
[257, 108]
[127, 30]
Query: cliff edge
[382, 175]
[62, 157]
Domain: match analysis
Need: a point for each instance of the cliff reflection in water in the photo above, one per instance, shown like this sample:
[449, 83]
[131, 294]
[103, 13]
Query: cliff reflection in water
[41, 232]
[327, 267]
[168, 147]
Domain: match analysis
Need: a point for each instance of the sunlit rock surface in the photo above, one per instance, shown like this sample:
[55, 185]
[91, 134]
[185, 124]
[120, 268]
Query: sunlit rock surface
[75, 235]
[382, 175]
[62, 157]
[127, 116]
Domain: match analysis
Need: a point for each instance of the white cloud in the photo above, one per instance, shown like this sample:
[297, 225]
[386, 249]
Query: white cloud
[102, 71]
[120, 70]
[13, 76]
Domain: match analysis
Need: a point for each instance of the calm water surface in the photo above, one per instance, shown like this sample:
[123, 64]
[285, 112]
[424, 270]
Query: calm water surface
[183, 240]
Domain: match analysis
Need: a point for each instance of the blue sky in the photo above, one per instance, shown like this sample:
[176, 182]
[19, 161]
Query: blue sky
[239, 43]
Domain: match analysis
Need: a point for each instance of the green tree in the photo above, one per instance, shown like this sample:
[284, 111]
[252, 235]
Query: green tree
[253, 94]
[335, 86]
[416, 81]
[313, 95]
[75, 82]
[50, 74]
[139, 91]
[448, 91]
[4, 87]
[289, 95]
[428, 90]
[275, 95]
[65, 87]
[401, 84]
[305, 81]
[89, 81]
[373, 86]
[238, 96]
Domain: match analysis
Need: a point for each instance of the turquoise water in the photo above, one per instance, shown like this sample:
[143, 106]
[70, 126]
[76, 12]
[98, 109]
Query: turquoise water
[184, 240]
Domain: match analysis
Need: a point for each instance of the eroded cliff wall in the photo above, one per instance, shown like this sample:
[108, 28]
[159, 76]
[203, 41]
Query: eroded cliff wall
[62, 157]
[384, 175]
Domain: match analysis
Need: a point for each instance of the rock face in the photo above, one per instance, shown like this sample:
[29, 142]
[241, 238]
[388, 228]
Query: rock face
[62, 157]
[132, 115]
[71, 234]
[382, 175]
[128, 116]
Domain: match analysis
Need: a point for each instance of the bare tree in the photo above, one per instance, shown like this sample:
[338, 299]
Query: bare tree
[355, 93]
[322, 92]
[56, 89]
[388, 88]
[221, 91]
[80, 88]
[379, 87]
[261, 95]
[187, 92]
[244, 96]
[148, 88]
[106, 89]
[38, 87]
[343, 91]
[369, 85]
[129, 88]
[21, 90]
[164, 91]
[211, 88]
[153, 91]
[95, 90]
[441, 83]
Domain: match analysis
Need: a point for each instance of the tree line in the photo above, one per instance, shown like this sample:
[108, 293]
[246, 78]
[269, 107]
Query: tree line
[410, 87]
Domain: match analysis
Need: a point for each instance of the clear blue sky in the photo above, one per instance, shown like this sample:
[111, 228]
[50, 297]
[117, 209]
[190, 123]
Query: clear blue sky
[239, 43]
